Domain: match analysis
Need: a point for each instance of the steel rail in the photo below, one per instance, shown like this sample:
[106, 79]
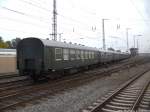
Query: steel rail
[140, 96]
[101, 105]
[13, 105]
[45, 87]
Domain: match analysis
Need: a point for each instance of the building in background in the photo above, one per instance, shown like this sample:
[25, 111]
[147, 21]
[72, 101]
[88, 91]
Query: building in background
[7, 61]
[134, 51]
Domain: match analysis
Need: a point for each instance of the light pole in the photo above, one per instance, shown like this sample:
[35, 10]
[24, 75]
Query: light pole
[127, 34]
[134, 40]
[103, 30]
[134, 36]
[138, 41]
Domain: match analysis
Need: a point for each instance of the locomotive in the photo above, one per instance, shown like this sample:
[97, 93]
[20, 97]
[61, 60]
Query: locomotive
[39, 58]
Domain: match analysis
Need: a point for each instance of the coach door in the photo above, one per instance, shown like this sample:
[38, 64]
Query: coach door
[29, 64]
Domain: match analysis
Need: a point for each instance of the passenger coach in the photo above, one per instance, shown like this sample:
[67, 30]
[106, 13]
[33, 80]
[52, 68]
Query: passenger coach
[37, 57]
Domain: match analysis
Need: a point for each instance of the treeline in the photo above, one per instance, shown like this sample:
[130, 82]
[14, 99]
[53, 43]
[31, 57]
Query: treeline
[12, 44]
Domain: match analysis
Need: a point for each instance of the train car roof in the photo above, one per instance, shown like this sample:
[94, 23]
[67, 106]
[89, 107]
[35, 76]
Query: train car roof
[115, 52]
[63, 44]
[69, 45]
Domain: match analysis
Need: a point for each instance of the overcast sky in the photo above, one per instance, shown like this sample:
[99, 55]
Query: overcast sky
[80, 21]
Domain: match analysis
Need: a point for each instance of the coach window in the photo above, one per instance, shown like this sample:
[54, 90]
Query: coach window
[101, 53]
[72, 54]
[82, 54]
[58, 54]
[77, 54]
[92, 55]
[89, 55]
[86, 54]
[66, 54]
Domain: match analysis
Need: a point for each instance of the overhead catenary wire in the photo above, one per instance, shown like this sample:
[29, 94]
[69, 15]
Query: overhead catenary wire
[28, 15]
[41, 18]
[23, 13]
[138, 11]
[35, 5]
[71, 19]
[48, 10]
[84, 10]
[39, 2]
[74, 20]
[38, 18]
[94, 14]
[80, 34]
[23, 22]
[13, 30]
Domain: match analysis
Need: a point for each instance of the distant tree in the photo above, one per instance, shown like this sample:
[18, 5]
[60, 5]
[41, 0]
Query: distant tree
[1, 39]
[9, 44]
[15, 42]
[2, 43]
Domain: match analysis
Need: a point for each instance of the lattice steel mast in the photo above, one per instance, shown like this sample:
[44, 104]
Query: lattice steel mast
[54, 24]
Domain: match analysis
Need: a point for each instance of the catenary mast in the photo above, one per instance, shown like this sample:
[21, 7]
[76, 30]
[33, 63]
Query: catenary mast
[54, 24]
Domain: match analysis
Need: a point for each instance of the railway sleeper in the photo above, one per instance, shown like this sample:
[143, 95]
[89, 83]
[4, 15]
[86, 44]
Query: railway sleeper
[123, 101]
[128, 95]
[120, 104]
[108, 110]
[113, 107]
[125, 98]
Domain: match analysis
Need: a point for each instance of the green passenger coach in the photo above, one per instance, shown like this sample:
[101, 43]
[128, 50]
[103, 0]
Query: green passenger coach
[39, 58]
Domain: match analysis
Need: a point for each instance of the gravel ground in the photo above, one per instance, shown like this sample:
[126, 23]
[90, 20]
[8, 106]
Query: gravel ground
[76, 99]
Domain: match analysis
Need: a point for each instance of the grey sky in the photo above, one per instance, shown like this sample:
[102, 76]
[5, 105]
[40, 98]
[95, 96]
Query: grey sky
[23, 18]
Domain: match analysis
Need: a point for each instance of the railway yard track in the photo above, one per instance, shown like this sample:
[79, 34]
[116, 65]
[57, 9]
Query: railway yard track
[131, 96]
[11, 79]
[22, 92]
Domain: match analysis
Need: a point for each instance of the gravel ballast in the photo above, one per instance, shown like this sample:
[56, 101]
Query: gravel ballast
[78, 98]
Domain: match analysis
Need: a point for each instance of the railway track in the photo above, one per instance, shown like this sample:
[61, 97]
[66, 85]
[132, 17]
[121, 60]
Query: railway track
[11, 79]
[144, 104]
[13, 95]
[14, 85]
[25, 81]
[8, 75]
[131, 97]
[14, 82]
